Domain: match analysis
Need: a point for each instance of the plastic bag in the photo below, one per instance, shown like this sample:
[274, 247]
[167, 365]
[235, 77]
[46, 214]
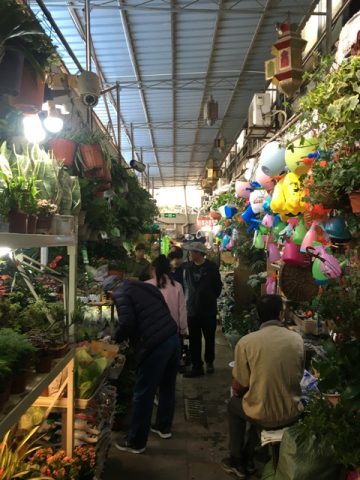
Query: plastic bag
[300, 459]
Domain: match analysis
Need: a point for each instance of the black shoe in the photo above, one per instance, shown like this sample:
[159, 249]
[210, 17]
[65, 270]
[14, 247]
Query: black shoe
[229, 467]
[195, 372]
[125, 446]
[210, 368]
[250, 467]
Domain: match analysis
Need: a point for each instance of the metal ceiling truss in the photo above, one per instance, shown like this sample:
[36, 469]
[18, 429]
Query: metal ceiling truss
[174, 81]
[135, 66]
[152, 6]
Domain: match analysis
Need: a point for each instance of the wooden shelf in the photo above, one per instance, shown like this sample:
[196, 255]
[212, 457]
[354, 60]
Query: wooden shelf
[20, 403]
[22, 240]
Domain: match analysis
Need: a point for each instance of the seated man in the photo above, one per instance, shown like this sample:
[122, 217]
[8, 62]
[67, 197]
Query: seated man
[268, 368]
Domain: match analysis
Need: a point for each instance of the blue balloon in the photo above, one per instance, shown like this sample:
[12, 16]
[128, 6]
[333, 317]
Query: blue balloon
[230, 211]
[266, 205]
[226, 239]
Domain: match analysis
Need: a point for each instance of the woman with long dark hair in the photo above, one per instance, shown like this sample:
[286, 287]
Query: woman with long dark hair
[172, 291]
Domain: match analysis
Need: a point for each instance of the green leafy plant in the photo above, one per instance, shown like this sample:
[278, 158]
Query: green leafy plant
[336, 429]
[20, 29]
[5, 373]
[331, 105]
[93, 137]
[15, 348]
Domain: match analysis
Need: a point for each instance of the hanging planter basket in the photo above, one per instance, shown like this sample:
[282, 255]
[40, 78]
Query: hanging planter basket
[31, 95]
[297, 283]
[92, 157]
[11, 69]
[355, 201]
[64, 150]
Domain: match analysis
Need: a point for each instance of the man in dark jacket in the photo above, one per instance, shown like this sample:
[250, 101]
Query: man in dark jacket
[202, 285]
[145, 319]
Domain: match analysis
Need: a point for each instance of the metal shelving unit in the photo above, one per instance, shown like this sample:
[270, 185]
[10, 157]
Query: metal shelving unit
[39, 382]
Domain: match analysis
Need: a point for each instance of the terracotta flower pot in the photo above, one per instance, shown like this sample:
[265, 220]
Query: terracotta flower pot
[92, 157]
[32, 222]
[64, 150]
[31, 95]
[355, 201]
[18, 222]
[11, 69]
[44, 224]
[43, 362]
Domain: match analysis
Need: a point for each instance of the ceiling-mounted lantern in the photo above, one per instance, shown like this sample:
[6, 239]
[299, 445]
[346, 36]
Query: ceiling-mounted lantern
[220, 143]
[212, 172]
[285, 70]
[211, 110]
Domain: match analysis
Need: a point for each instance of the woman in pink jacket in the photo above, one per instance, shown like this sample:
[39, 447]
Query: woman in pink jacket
[172, 291]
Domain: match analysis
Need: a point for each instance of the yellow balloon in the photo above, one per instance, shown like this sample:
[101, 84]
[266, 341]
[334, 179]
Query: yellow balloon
[293, 193]
[295, 159]
[277, 198]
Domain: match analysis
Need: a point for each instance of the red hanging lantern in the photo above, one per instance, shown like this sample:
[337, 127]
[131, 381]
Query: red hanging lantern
[285, 70]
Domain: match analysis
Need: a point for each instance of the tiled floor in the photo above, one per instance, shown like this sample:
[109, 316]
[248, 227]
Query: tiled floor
[198, 444]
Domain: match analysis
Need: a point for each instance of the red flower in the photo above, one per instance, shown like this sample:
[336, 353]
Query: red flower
[323, 163]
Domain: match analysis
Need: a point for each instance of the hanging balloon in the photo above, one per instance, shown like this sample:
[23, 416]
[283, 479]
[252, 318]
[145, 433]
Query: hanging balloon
[264, 180]
[294, 157]
[310, 237]
[257, 198]
[242, 189]
[272, 159]
[266, 204]
[293, 256]
[273, 252]
[248, 215]
[221, 210]
[216, 229]
[226, 239]
[278, 229]
[268, 221]
[299, 232]
[317, 273]
[259, 242]
[230, 211]
[230, 245]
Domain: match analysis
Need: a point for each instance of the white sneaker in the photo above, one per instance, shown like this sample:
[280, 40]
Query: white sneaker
[160, 433]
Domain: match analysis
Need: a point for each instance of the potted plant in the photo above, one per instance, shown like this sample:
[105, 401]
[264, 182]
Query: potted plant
[5, 381]
[46, 211]
[52, 464]
[95, 152]
[64, 148]
[17, 28]
[18, 351]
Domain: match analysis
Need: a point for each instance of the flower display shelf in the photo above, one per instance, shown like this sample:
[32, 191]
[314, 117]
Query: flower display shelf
[23, 240]
[79, 403]
[18, 404]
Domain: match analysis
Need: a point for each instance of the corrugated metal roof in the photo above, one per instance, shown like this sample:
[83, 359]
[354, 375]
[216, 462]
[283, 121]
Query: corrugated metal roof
[169, 57]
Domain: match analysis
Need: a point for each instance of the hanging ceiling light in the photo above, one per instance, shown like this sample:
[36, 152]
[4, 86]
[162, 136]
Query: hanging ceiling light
[33, 129]
[53, 123]
[219, 143]
[211, 110]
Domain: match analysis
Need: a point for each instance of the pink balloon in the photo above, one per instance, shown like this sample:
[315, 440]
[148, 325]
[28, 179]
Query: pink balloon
[264, 180]
[241, 189]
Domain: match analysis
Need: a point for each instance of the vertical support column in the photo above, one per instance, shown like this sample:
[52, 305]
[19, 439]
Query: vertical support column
[148, 177]
[118, 114]
[70, 409]
[72, 285]
[328, 26]
[88, 53]
[44, 255]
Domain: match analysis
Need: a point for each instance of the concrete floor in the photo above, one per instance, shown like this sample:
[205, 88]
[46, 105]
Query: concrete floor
[199, 439]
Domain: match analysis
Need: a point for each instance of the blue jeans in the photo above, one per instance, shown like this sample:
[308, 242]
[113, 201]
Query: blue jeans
[157, 371]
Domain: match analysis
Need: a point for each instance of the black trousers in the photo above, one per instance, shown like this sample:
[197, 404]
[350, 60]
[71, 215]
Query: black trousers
[243, 435]
[202, 326]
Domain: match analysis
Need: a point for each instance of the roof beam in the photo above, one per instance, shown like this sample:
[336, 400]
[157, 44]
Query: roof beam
[135, 65]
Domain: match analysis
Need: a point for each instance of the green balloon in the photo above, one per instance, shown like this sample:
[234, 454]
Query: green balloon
[316, 270]
[299, 232]
[279, 227]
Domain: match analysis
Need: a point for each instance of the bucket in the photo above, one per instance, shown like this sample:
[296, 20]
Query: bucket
[293, 256]
[64, 224]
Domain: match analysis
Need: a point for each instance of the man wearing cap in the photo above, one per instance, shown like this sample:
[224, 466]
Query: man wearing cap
[202, 286]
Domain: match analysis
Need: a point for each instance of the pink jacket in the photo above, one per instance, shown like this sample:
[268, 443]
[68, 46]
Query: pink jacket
[175, 299]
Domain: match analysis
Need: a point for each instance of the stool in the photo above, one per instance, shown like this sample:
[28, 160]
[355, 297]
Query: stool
[273, 437]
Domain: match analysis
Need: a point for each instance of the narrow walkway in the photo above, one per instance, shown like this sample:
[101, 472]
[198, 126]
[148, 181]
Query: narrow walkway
[199, 439]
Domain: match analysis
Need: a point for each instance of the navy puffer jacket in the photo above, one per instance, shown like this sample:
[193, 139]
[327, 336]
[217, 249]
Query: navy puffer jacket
[144, 317]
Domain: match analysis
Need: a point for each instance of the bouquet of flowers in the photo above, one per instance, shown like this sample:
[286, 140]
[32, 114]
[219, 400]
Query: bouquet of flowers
[57, 465]
[85, 459]
[46, 208]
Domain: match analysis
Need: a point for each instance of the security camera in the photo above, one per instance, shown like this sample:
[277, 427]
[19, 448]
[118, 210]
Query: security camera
[89, 99]
[88, 85]
[138, 166]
